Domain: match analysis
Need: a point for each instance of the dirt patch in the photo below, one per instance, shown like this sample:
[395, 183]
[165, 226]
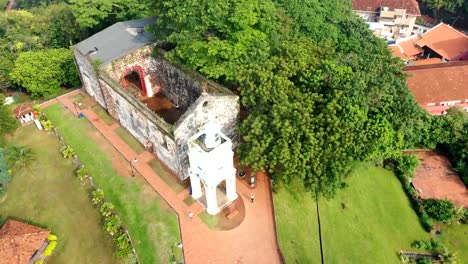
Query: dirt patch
[435, 178]
[121, 165]
[164, 108]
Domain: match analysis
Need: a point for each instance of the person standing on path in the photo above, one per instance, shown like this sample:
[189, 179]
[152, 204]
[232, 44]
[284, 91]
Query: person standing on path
[190, 214]
[252, 197]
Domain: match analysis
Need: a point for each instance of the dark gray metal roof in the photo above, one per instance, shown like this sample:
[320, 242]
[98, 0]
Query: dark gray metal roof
[117, 40]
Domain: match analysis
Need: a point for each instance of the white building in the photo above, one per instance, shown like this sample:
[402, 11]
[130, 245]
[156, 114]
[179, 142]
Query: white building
[212, 171]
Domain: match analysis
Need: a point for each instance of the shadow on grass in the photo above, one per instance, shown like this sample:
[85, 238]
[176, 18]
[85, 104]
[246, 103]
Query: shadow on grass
[166, 176]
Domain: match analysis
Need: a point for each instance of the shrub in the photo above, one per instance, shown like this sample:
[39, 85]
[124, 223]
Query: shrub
[106, 209]
[431, 245]
[464, 219]
[406, 165]
[112, 224]
[37, 108]
[98, 196]
[439, 210]
[122, 242]
[424, 261]
[68, 152]
[51, 237]
[50, 248]
[41, 261]
[47, 125]
[426, 221]
[81, 173]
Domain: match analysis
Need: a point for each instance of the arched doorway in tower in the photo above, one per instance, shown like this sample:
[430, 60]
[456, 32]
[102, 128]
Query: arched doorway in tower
[133, 80]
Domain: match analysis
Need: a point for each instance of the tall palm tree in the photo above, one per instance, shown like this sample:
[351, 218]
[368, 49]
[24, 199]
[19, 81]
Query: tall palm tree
[19, 156]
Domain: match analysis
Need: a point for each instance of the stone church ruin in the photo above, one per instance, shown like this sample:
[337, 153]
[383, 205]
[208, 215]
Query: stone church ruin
[159, 103]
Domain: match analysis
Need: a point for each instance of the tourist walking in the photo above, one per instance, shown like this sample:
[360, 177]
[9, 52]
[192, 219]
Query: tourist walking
[190, 214]
[252, 197]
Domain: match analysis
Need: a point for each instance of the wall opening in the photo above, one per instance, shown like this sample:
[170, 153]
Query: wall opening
[133, 79]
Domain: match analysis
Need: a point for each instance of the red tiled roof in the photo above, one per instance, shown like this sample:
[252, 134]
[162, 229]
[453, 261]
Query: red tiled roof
[397, 52]
[23, 109]
[409, 48]
[19, 241]
[445, 41]
[411, 6]
[441, 82]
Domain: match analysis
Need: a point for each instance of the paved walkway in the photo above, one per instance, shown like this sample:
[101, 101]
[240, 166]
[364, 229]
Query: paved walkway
[253, 241]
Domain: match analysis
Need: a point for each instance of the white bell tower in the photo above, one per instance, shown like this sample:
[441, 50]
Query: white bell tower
[212, 162]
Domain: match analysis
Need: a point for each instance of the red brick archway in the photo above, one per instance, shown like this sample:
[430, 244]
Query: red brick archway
[141, 74]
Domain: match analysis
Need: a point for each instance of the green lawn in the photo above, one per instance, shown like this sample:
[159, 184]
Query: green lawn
[48, 194]
[130, 140]
[296, 220]
[152, 224]
[455, 238]
[166, 176]
[103, 115]
[368, 222]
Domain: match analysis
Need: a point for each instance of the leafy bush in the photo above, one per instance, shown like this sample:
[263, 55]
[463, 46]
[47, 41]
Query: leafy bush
[98, 196]
[106, 209]
[41, 261]
[424, 261]
[431, 245]
[47, 125]
[406, 165]
[439, 210]
[112, 224]
[426, 221]
[81, 173]
[68, 152]
[52, 237]
[50, 248]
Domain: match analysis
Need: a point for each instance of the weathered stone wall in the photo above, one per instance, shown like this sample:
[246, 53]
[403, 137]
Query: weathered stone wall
[141, 123]
[222, 107]
[183, 88]
[89, 79]
[140, 57]
[176, 85]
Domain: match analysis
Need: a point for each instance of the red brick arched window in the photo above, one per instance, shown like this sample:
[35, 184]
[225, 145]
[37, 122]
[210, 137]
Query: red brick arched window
[141, 74]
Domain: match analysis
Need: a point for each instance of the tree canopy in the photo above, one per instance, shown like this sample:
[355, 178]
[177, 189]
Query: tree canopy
[43, 72]
[90, 13]
[322, 93]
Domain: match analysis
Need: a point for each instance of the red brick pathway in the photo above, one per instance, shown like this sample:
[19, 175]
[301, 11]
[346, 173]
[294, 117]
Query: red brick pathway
[253, 241]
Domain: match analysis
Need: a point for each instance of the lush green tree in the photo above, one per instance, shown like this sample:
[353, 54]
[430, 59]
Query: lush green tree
[321, 91]
[27, 4]
[90, 13]
[7, 122]
[217, 38]
[438, 5]
[61, 28]
[19, 156]
[51, 26]
[43, 72]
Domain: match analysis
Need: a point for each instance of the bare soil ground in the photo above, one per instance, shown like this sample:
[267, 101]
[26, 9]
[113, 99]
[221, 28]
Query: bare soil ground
[435, 178]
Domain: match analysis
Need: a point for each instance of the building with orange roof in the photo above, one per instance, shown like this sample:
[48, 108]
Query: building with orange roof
[437, 87]
[441, 42]
[445, 42]
[24, 113]
[396, 16]
[19, 242]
